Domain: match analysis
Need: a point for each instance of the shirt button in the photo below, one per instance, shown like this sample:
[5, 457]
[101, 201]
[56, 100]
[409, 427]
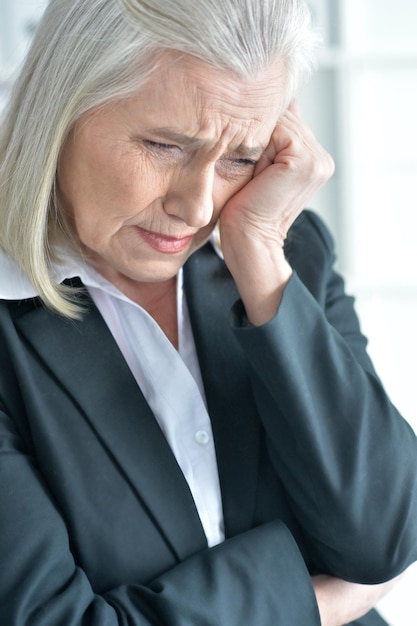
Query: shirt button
[202, 437]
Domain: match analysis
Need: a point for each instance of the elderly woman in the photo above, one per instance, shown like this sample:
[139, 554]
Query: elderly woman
[188, 435]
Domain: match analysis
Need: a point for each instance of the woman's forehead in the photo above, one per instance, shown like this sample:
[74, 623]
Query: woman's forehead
[190, 103]
[176, 73]
[187, 91]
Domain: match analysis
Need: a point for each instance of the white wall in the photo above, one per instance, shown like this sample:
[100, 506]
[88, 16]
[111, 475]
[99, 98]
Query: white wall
[363, 106]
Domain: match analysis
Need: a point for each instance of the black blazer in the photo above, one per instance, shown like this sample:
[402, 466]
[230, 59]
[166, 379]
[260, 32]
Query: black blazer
[317, 470]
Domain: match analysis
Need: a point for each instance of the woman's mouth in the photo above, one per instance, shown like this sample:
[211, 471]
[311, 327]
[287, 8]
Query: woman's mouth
[164, 243]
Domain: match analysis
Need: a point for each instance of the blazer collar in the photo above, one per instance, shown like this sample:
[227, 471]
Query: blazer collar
[69, 350]
[85, 358]
[210, 293]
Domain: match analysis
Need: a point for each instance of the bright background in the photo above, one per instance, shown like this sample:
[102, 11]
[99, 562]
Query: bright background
[362, 105]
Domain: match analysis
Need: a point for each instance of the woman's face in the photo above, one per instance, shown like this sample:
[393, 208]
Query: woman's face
[144, 180]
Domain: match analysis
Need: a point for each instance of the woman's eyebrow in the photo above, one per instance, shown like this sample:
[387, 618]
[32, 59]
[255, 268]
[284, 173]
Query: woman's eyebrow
[249, 152]
[169, 135]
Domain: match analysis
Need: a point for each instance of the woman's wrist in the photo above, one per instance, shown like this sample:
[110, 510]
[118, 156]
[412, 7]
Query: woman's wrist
[341, 602]
[261, 273]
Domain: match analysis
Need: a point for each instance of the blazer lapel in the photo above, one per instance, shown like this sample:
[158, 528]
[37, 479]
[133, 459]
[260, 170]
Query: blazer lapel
[85, 358]
[210, 293]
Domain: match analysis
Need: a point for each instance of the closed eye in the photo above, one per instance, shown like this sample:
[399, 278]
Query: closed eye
[248, 162]
[155, 145]
[236, 162]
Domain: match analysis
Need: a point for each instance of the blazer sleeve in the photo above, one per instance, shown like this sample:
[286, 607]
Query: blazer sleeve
[258, 577]
[347, 459]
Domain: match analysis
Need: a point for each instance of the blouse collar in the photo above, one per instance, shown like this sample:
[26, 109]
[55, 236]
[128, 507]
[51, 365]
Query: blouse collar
[15, 285]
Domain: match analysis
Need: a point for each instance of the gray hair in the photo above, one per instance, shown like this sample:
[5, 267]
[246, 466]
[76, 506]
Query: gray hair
[86, 54]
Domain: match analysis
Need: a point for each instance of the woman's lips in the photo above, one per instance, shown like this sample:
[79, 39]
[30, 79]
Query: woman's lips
[164, 243]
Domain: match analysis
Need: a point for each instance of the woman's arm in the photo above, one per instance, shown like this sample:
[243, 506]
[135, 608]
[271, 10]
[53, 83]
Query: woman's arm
[341, 602]
[344, 454]
[258, 577]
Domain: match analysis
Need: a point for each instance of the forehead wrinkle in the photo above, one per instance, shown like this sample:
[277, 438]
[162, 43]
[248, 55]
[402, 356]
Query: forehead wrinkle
[228, 135]
[234, 121]
[228, 100]
[190, 141]
[222, 87]
[219, 111]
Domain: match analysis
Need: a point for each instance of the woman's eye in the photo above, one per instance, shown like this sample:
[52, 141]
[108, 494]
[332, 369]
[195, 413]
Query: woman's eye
[155, 145]
[237, 163]
[246, 162]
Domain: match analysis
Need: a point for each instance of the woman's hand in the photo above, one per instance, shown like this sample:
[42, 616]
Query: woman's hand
[254, 223]
[341, 602]
[290, 171]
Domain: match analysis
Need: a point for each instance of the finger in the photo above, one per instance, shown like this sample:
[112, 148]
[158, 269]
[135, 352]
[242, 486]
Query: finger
[285, 132]
[280, 141]
[293, 122]
[292, 138]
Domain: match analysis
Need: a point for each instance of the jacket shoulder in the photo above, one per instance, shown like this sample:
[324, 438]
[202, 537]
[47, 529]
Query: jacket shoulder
[309, 249]
[309, 233]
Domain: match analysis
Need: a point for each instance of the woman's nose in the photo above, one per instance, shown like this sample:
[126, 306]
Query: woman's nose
[190, 196]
